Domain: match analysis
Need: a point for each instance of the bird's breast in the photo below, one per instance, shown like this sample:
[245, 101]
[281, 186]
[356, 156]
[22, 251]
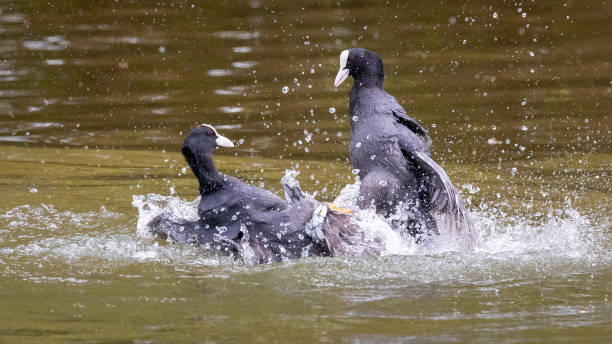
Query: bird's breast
[370, 152]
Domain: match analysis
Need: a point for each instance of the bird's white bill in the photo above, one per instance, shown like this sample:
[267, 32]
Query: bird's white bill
[224, 141]
[342, 75]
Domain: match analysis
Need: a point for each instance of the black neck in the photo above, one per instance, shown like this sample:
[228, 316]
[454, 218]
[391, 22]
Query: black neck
[369, 81]
[210, 179]
[204, 169]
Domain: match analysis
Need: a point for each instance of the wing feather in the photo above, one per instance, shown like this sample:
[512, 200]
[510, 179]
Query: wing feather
[447, 202]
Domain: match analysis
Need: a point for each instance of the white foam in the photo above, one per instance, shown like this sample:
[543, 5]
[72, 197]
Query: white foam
[46, 237]
[563, 238]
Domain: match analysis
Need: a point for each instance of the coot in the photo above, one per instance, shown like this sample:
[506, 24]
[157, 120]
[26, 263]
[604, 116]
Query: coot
[391, 152]
[253, 223]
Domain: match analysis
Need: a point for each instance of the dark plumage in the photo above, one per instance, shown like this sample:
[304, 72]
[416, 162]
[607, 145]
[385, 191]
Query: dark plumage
[251, 222]
[391, 151]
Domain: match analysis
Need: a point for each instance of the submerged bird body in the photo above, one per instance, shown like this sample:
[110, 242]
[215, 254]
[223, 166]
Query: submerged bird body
[251, 222]
[391, 152]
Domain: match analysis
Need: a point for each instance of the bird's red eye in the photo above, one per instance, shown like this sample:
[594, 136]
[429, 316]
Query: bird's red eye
[209, 133]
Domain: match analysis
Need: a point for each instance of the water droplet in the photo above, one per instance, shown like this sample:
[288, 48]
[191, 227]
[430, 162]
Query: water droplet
[355, 118]
[332, 110]
[358, 144]
[383, 183]
[524, 128]
[285, 89]
[355, 171]
[495, 15]
[373, 156]
[33, 190]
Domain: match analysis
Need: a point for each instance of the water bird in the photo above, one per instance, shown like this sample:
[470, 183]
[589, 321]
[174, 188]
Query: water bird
[253, 223]
[391, 152]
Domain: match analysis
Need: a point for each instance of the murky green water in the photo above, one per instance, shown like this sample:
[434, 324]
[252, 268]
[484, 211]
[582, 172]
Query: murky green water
[96, 96]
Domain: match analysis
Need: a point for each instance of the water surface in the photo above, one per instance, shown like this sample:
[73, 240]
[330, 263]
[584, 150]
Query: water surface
[96, 97]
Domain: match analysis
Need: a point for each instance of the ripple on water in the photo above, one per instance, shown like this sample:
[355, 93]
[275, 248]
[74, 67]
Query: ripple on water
[93, 27]
[244, 64]
[161, 111]
[152, 98]
[231, 109]
[12, 18]
[219, 72]
[50, 43]
[24, 126]
[242, 50]
[54, 62]
[233, 90]
[239, 35]
[20, 138]
[229, 126]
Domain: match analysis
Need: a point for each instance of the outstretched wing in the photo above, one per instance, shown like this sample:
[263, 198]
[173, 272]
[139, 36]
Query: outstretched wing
[452, 217]
[443, 195]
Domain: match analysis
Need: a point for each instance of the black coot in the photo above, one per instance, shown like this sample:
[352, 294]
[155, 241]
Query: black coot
[391, 151]
[253, 223]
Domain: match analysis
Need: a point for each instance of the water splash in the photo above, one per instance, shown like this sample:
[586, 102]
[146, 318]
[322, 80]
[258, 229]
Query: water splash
[564, 239]
[152, 205]
[40, 237]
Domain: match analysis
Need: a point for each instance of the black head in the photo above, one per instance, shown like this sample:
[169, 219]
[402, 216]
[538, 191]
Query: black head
[197, 150]
[363, 65]
[203, 139]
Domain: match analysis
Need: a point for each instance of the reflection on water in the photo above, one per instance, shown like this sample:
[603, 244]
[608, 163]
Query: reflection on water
[96, 97]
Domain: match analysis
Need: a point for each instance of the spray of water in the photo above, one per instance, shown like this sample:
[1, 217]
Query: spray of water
[46, 236]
